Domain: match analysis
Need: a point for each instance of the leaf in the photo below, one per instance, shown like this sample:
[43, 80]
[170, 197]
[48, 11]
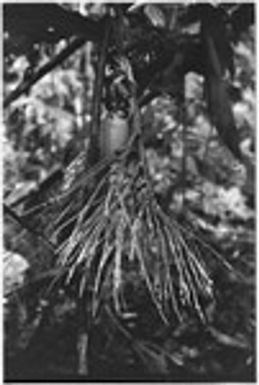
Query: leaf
[225, 339]
[155, 15]
[14, 269]
[214, 28]
[219, 59]
[221, 113]
[242, 17]
[156, 360]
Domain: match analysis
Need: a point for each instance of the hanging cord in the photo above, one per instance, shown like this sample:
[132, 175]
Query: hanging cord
[94, 150]
[84, 316]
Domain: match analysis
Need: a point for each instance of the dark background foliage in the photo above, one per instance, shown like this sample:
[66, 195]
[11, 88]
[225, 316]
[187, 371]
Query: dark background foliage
[200, 157]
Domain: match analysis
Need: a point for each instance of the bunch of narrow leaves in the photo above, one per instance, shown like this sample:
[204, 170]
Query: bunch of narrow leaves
[121, 224]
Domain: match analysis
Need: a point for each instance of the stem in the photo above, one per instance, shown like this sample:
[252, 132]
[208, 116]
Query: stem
[183, 172]
[84, 315]
[184, 121]
[82, 346]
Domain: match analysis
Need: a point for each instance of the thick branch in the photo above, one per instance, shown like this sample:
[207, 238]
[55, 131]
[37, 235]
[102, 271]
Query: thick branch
[44, 186]
[25, 86]
[25, 225]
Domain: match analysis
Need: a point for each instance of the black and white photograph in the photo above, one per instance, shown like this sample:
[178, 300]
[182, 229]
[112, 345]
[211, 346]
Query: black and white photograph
[129, 196]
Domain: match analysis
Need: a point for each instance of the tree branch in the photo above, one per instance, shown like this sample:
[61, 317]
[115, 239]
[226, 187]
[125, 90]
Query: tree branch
[44, 186]
[25, 86]
[25, 225]
[48, 23]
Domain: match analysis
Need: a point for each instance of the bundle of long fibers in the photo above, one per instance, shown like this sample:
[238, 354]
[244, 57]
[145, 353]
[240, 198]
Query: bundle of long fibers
[122, 224]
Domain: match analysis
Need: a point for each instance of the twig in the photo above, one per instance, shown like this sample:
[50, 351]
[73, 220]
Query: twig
[118, 324]
[147, 97]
